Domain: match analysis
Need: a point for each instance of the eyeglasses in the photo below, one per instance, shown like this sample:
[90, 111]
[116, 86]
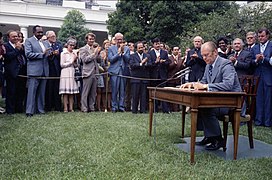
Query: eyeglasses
[249, 37]
[71, 45]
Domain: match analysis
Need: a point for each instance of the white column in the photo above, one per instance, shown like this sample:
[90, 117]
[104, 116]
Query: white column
[109, 35]
[24, 30]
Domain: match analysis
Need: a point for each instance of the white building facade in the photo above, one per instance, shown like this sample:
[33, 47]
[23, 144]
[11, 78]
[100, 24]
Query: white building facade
[23, 15]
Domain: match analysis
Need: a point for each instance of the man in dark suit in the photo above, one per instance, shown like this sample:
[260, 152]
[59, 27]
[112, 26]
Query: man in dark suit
[36, 52]
[241, 60]
[52, 96]
[159, 62]
[195, 61]
[219, 75]
[15, 64]
[176, 64]
[118, 55]
[250, 40]
[139, 69]
[262, 63]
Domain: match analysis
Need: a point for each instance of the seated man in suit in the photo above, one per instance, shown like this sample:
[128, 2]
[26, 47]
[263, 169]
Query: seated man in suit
[219, 75]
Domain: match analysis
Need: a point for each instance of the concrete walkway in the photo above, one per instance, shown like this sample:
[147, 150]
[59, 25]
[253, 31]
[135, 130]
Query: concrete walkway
[261, 149]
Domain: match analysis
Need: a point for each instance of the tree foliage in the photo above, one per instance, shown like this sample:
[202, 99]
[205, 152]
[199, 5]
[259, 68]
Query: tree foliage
[73, 26]
[177, 22]
[234, 23]
[145, 20]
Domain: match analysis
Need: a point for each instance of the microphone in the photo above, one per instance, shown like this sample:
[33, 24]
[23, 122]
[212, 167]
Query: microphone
[183, 74]
[183, 70]
[187, 71]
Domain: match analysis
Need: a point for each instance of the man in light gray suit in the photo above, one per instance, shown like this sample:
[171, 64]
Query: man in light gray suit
[89, 56]
[37, 66]
[219, 75]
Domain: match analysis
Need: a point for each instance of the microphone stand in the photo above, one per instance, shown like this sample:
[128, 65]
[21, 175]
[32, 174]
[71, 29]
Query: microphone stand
[188, 69]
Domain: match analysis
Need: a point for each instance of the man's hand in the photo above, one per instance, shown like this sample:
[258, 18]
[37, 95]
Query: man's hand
[56, 52]
[18, 45]
[259, 57]
[187, 85]
[97, 50]
[194, 85]
[144, 60]
[162, 60]
[48, 51]
[200, 86]
[158, 59]
[233, 59]
[194, 56]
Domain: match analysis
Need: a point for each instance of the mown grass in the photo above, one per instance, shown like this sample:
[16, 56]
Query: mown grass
[112, 146]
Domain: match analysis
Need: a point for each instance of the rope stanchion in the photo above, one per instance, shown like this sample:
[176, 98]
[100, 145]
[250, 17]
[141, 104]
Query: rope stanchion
[101, 74]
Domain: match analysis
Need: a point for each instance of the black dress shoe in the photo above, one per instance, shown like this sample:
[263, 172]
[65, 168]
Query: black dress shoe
[29, 115]
[204, 141]
[215, 145]
[122, 110]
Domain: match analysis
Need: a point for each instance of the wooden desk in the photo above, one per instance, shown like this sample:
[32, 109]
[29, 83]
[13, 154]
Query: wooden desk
[197, 99]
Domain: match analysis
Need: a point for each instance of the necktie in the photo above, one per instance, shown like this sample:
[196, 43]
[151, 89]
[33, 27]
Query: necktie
[236, 54]
[21, 60]
[210, 70]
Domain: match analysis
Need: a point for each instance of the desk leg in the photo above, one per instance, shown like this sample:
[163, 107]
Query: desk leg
[193, 133]
[183, 121]
[151, 109]
[236, 131]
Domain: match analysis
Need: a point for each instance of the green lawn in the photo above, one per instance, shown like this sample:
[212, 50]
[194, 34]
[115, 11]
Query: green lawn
[112, 146]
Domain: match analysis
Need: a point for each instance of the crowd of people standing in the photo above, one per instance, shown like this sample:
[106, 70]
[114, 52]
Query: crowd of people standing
[39, 74]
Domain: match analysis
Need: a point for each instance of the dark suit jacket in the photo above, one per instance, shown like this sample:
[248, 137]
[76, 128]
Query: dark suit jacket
[224, 76]
[174, 68]
[37, 62]
[243, 65]
[159, 70]
[136, 70]
[197, 65]
[263, 69]
[12, 64]
[54, 60]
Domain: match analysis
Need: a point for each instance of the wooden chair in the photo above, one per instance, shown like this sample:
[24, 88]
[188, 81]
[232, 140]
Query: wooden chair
[249, 84]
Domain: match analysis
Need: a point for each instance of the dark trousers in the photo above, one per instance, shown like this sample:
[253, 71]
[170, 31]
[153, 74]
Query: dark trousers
[164, 105]
[139, 93]
[207, 120]
[52, 96]
[15, 95]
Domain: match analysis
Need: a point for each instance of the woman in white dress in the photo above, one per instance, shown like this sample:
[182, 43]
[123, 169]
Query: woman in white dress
[68, 85]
